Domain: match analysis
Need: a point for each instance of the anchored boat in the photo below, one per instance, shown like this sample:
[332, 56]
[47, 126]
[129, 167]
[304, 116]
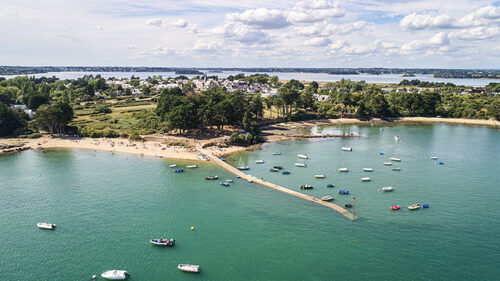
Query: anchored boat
[330, 185]
[343, 191]
[433, 157]
[303, 156]
[366, 179]
[189, 267]
[285, 172]
[396, 169]
[162, 242]
[395, 207]
[115, 275]
[211, 177]
[192, 166]
[259, 161]
[343, 170]
[46, 225]
[387, 188]
[306, 186]
[327, 198]
[320, 176]
[277, 153]
[395, 159]
[414, 207]
[274, 170]
[347, 148]
[367, 169]
[387, 163]
[224, 183]
[172, 165]
[179, 170]
[300, 165]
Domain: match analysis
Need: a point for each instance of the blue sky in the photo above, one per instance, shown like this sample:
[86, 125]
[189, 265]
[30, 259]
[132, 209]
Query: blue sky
[279, 33]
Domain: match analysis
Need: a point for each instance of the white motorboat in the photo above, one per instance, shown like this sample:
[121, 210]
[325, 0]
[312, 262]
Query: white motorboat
[243, 168]
[320, 176]
[189, 267]
[259, 161]
[395, 159]
[414, 207]
[46, 225]
[300, 165]
[397, 138]
[434, 158]
[162, 242]
[387, 188]
[303, 156]
[115, 275]
[229, 180]
[367, 169]
[192, 166]
[388, 163]
[327, 198]
[343, 170]
[366, 179]
[277, 153]
[347, 148]
[172, 165]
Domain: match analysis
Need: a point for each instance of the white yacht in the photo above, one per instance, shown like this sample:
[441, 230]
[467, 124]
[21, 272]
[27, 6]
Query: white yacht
[347, 148]
[343, 170]
[388, 163]
[115, 275]
[395, 159]
[189, 267]
[303, 156]
[259, 161]
[387, 188]
[320, 176]
[46, 225]
[367, 169]
[366, 179]
[300, 164]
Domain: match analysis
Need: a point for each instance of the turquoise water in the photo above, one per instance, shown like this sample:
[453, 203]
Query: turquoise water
[107, 207]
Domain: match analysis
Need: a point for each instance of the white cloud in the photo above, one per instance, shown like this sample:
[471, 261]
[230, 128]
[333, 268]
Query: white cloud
[437, 41]
[260, 18]
[326, 29]
[314, 11]
[415, 21]
[154, 22]
[181, 23]
[475, 33]
[318, 42]
[206, 46]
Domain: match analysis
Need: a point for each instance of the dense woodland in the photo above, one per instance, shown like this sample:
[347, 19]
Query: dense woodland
[56, 102]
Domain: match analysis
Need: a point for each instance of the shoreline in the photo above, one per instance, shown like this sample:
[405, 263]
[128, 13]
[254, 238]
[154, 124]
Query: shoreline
[156, 146]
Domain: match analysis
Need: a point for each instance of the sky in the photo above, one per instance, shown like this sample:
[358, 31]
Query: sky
[256, 33]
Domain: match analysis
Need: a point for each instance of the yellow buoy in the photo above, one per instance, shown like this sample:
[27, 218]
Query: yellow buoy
[192, 228]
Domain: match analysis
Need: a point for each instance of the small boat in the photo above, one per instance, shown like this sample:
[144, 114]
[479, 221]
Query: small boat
[343, 191]
[366, 179]
[300, 165]
[303, 156]
[162, 242]
[172, 165]
[278, 167]
[243, 168]
[189, 267]
[224, 183]
[115, 275]
[441, 163]
[330, 185]
[367, 169]
[381, 153]
[306, 186]
[387, 188]
[395, 207]
[396, 169]
[346, 148]
[425, 206]
[45, 225]
[211, 177]
[387, 163]
[395, 159]
[433, 157]
[249, 180]
[274, 170]
[343, 170]
[414, 207]
[320, 176]
[192, 166]
[285, 172]
[229, 180]
[259, 161]
[327, 198]
[397, 138]
[179, 170]
[277, 153]
[348, 205]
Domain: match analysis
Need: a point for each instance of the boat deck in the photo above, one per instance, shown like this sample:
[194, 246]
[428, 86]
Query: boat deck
[244, 176]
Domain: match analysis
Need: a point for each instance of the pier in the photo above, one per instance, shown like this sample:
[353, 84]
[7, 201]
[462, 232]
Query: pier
[244, 176]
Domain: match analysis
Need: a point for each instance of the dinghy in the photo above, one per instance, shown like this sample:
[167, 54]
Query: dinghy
[387, 188]
[330, 185]
[319, 176]
[224, 183]
[434, 158]
[285, 172]
[300, 165]
[387, 163]
[278, 167]
[343, 191]
[366, 179]
[303, 156]
[346, 148]
[414, 207]
[179, 170]
[396, 169]
[344, 170]
[395, 159]
[259, 161]
[274, 170]
[115, 275]
[243, 168]
[45, 225]
[172, 165]
[192, 166]
[327, 198]
[162, 242]
[367, 169]
[211, 177]
[189, 267]
[395, 207]
[277, 153]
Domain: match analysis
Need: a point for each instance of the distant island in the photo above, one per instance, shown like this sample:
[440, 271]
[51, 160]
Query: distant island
[407, 72]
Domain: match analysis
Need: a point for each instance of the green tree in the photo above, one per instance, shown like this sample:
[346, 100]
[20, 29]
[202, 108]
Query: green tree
[54, 117]
[10, 120]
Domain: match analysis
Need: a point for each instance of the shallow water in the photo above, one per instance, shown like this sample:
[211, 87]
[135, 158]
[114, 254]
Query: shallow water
[107, 207]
